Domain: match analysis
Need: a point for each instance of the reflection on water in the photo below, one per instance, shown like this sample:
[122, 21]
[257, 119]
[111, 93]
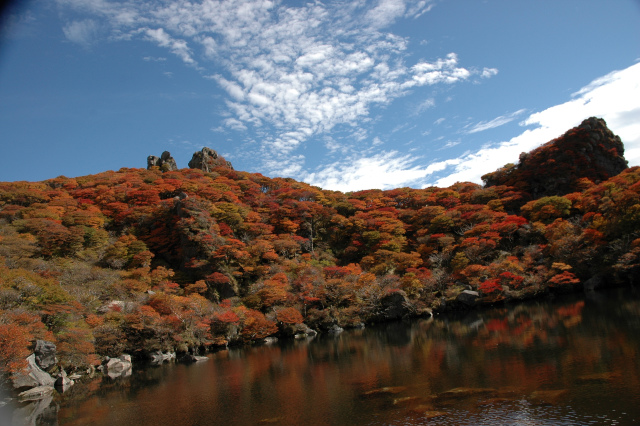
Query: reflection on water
[565, 362]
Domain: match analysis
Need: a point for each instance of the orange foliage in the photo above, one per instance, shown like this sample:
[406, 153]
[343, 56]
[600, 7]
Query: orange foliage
[563, 279]
[289, 316]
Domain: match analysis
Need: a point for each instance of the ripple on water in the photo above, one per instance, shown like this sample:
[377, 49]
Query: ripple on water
[521, 413]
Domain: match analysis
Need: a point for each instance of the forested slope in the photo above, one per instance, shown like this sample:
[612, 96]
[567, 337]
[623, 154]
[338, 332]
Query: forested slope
[143, 260]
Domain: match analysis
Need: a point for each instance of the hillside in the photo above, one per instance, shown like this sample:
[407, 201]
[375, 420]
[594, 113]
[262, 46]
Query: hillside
[165, 259]
[588, 151]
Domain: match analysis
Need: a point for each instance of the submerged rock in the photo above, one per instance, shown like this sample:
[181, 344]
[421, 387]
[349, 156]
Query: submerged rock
[463, 393]
[36, 393]
[405, 400]
[598, 377]
[432, 414]
[270, 420]
[548, 397]
[387, 390]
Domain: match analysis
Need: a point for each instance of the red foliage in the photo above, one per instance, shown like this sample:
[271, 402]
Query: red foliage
[490, 286]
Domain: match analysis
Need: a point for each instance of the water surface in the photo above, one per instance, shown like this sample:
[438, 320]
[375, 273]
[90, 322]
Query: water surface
[569, 361]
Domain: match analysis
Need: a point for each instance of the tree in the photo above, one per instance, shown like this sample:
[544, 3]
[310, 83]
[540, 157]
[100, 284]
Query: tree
[18, 329]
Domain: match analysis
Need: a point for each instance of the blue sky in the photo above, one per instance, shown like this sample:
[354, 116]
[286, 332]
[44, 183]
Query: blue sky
[346, 95]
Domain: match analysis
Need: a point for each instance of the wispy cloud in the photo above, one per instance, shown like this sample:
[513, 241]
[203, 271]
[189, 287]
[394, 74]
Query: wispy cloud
[292, 74]
[15, 25]
[425, 105]
[450, 144]
[82, 32]
[176, 46]
[496, 122]
[154, 59]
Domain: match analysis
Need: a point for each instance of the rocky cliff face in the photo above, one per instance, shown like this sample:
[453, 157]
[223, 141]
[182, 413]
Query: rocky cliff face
[207, 159]
[589, 151]
[166, 163]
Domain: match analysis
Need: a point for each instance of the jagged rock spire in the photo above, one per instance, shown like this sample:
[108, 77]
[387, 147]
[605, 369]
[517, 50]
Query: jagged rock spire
[206, 159]
[166, 162]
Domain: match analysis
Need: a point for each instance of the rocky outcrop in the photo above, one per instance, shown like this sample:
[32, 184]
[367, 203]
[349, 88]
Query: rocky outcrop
[117, 367]
[32, 375]
[468, 297]
[45, 354]
[165, 162]
[158, 357]
[206, 159]
[335, 329]
[299, 331]
[63, 382]
[303, 331]
[188, 358]
[394, 305]
[588, 151]
[116, 306]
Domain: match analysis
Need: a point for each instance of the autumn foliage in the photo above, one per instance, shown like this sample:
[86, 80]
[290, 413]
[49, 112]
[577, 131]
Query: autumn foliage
[142, 260]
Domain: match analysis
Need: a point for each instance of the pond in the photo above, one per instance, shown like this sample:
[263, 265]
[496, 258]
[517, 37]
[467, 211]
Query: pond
[569, 361]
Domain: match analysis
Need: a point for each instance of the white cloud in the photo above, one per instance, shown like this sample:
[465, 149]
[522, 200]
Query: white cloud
[311, 66]
[496, 122]
[385, 13]
[425, 105]
[82, 32]
[488, 72]
[176, 46]
[450, 144]
[614, 97]
[384, 170]
[154, 59]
